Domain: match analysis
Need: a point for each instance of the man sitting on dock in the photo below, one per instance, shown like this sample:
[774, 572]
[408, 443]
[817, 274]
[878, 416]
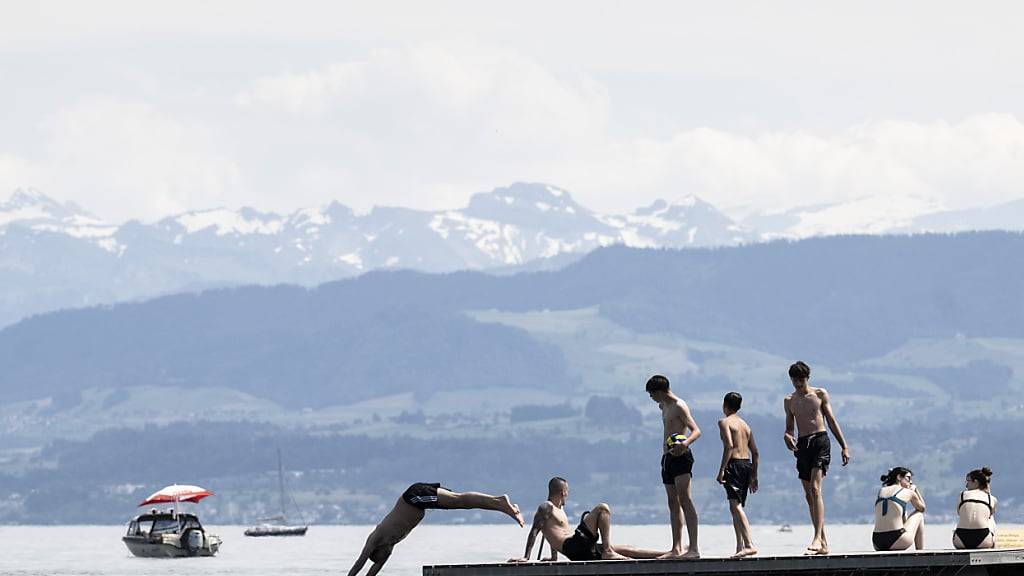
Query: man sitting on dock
[590, 541]
[409, 511]
[808, 409]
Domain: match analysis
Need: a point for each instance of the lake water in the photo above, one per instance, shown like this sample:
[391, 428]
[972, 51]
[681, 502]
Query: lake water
[98, 550]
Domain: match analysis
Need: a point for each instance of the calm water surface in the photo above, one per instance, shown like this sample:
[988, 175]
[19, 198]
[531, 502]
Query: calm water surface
[94, 550]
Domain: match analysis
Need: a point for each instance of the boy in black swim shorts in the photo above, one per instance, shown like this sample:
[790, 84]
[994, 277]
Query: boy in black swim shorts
[808, 412]
[583, 544]
[813, 451]
[738, 470]
[680, 431]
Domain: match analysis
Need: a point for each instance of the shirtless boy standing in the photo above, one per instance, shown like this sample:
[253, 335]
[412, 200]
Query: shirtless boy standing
[583, 544]
[738, 471]
[807, 411]
[409, 511]
[679, 431]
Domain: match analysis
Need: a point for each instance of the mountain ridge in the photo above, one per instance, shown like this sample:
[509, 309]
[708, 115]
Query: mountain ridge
[523, 226]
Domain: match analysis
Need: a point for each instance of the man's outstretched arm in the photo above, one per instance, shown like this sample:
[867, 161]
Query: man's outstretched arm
[375, 568]
[360, 562]
[539, 519]
[833, 424]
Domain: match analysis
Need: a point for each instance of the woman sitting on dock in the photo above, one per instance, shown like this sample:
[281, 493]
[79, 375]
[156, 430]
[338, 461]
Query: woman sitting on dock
[894, 528]
[976, 508]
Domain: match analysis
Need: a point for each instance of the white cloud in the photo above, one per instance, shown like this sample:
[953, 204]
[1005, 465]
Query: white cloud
[124, 158]
[427, 124]
[16, 173]
[976, 162]
[410, 126]
[305, 93]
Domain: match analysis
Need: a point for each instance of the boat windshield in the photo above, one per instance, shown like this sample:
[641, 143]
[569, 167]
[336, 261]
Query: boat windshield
[165, 526]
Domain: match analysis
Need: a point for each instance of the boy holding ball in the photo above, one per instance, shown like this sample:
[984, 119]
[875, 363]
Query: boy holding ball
[679, 432]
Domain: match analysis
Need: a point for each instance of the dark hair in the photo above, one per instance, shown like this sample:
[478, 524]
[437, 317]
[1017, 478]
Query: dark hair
[800, 370]
[893, 475]
[657, 383]
[556, 485]
[733, 400]
[982, 477]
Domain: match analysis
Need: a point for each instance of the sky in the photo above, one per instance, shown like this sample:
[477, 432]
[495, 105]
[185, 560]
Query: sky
[142, 110]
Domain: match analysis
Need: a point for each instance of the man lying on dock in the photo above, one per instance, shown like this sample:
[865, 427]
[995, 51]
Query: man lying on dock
[592, 538]
[409, 511]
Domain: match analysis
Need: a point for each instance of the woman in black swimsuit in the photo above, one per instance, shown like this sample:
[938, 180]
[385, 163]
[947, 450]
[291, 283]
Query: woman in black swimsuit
[894, 528]
[976, 508]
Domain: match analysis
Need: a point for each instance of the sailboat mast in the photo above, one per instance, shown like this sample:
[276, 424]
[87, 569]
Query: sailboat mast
[280, 480]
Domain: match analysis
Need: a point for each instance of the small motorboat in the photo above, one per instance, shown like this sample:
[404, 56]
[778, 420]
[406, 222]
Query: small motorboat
[169, 533]
[785, 528]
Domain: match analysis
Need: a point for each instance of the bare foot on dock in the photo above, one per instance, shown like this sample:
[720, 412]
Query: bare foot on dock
[745, 552]
[610, 554]
[690, 554]
[671, 555]
[512, 510]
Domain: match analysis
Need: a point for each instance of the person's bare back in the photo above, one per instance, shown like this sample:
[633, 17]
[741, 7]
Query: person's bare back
[739, 432]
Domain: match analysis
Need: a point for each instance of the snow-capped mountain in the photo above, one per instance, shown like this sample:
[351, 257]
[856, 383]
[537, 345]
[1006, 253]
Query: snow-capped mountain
[57, 255]
[882, 215]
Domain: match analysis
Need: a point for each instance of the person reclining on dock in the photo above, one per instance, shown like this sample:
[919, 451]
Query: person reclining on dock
[409, 511]
[894, 529]
[583, 544]
[738, 470]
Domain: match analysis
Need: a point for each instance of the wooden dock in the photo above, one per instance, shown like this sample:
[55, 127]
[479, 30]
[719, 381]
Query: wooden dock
[937, 563]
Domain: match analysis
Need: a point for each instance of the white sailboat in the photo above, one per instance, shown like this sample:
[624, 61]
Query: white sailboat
[278, 525]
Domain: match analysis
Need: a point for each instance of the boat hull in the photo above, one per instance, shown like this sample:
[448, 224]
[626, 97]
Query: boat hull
[169, 547]
[259, 531]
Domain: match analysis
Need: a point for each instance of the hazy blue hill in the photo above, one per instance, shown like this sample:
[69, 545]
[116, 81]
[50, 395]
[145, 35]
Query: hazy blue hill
[835, 299]
[283, 343]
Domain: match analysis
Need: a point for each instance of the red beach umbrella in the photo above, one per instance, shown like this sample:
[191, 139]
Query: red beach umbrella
[177, 493]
